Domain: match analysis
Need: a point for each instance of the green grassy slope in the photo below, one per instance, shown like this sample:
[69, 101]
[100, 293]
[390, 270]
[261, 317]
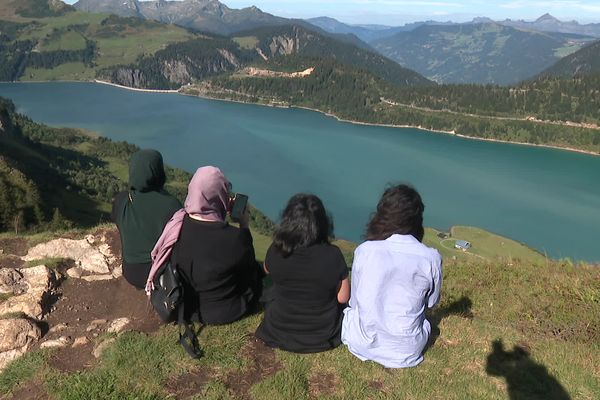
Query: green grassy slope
[520, 331]
[582, 62]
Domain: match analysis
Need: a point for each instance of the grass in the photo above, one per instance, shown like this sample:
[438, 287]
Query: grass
[246, 42]
[566, 50]
[115, 48]
[73, 71]
[22, 370]
[521, 330]
[50, 262]
[69, 40]
[485, 246]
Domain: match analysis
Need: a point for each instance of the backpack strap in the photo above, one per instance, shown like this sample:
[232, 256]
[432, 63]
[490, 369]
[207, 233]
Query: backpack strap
[187, 337]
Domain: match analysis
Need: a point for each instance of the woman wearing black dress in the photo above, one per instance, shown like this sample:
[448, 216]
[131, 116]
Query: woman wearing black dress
[310, 281]
[216, 260]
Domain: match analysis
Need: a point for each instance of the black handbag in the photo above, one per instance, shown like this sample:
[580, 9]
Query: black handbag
[167, 298]
[167, 295]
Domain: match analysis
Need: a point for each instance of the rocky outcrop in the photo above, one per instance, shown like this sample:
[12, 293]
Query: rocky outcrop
[284, 45]
[176, 71]
[131, 77]
[230, 57]
[17, 335]
[29, 294]
[31, 288]
[93, 256]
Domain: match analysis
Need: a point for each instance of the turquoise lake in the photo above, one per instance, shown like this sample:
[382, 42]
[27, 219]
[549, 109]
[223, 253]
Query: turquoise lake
[548, 199]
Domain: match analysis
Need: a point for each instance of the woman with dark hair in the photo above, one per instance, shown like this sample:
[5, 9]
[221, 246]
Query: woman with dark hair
[141, 214]
[310, 281]
[223, 280]
[394, 279]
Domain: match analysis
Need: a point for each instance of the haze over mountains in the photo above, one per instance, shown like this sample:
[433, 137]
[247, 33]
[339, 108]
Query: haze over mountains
[203, 15]
[481, 51]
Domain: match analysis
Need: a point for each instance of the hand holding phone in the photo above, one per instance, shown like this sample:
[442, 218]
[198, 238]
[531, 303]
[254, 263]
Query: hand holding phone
[238, 208]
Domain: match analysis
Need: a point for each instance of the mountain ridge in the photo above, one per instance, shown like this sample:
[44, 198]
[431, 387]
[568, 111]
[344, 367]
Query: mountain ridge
[484, 53]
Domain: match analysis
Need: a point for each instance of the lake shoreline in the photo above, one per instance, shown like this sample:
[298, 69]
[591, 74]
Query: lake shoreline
[419, 127]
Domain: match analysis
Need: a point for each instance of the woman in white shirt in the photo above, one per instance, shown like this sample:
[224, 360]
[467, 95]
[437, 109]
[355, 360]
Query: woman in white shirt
[394, 279]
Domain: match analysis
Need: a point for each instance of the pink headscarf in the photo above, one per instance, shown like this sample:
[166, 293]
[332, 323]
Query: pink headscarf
[208, 198]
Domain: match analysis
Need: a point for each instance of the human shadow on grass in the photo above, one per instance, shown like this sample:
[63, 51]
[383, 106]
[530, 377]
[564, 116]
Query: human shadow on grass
[525, 378]
[460, 307]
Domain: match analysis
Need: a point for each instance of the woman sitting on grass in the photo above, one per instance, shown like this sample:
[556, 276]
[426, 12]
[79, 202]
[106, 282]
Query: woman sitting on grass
[310, 281]
[394, 279]
[216, 260]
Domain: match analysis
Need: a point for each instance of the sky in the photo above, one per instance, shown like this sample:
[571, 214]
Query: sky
[399, 12]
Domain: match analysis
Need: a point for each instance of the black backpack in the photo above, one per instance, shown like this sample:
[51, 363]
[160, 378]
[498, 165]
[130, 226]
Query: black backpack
[167, 298]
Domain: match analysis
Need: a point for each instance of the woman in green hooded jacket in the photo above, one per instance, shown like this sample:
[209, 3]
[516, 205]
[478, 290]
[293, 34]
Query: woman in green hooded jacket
[141, 213]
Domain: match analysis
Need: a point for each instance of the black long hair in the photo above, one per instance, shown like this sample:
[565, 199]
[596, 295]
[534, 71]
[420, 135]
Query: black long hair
[400, 210]
[304, 222]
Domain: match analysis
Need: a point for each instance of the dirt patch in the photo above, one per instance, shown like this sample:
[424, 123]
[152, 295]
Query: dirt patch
[72, 359]
[14, 246]
[190, 384]
[263, 364]
[80, 302]
[29, 391]
[322, 384]
[11, 261]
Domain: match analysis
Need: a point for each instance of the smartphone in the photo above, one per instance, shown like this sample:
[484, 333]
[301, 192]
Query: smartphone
[240, 201]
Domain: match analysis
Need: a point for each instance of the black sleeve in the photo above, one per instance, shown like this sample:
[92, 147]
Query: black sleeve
[118, 205]
[253, 270]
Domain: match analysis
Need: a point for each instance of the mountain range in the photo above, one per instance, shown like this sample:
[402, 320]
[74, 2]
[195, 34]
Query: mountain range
[203, 15]
[485, 53]
[369, 33]
[481, 51]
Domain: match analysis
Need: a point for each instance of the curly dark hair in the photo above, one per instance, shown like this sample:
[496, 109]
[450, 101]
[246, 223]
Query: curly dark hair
[400, 210]
[304, 222]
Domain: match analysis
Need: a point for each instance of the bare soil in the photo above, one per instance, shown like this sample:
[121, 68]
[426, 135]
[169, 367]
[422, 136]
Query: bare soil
[14, 246]
[263, 364]
[190, 384]
[80, 302]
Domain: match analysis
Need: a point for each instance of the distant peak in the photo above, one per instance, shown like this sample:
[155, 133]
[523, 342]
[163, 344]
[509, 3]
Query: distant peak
[546, 17]
[480, 20]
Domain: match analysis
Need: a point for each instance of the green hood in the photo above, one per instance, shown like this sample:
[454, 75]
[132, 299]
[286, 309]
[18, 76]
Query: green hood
[146, 171]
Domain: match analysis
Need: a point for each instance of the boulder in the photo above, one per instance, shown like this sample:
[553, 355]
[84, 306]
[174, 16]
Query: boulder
[39, 278]
[91, 259]
[17, 335]
[30, 304]
[118, 325]
[62, 341]
[11, 281]
[80, 341]
[39, 283]
[96, 325]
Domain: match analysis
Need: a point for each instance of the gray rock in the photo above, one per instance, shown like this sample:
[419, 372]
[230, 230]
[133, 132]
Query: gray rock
[80, 341]
[17, 335]
[62, 341]
[118, 325]
[96, 324]
[39, 282]
[11, 281]
[90, 254]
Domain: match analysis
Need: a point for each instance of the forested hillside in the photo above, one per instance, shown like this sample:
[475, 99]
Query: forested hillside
[54, 178]
[480, 53]
[357, 95]
[583, 62]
